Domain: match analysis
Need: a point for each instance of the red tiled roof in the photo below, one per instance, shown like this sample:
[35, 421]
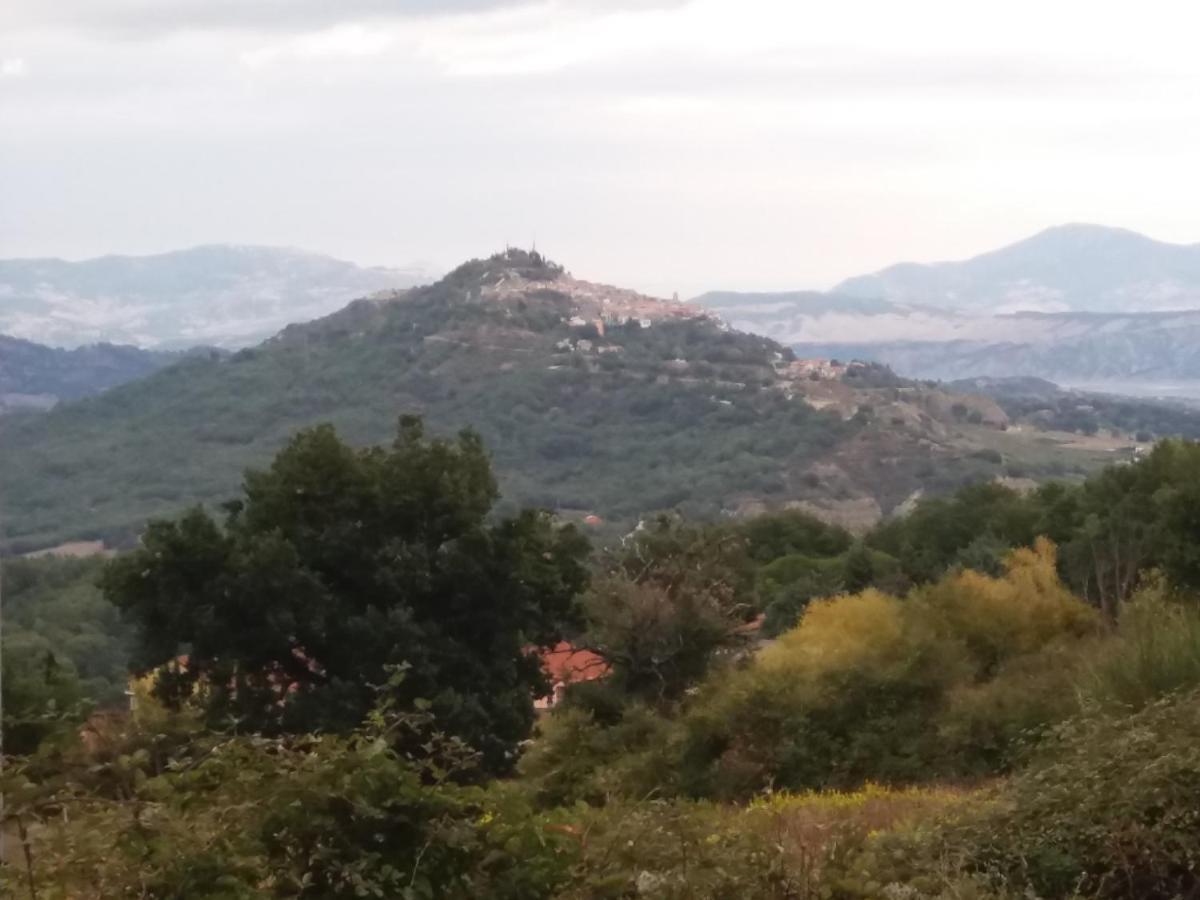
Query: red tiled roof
[565, 664]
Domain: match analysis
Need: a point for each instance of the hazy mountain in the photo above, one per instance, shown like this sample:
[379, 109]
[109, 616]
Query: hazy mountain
[1148, 353]
[36, 377]
[947, 320]
[219, 295]
[590, 398]
[1068, 268]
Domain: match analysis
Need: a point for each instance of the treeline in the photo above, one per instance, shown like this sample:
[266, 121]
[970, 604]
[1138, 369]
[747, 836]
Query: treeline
[992, 698]
[1085, 412]
[1110, 529]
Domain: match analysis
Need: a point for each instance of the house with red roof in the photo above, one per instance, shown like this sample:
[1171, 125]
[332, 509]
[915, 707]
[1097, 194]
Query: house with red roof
[565, 665]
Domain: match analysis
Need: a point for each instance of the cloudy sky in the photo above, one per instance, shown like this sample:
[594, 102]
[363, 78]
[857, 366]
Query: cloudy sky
[662, 144]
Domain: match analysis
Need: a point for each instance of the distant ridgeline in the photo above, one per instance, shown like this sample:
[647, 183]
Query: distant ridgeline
[594, 402]
[218, 295]
[37, 377]
[1081, 305]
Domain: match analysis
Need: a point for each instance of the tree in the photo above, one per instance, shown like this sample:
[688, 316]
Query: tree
[40, 697]
[671, 600]
[858, 571]
[339, 563]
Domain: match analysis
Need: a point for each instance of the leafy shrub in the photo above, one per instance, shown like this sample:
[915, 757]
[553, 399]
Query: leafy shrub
[868, 686]
[577, 758]
[209, 816]
[1156, 652]
[784, 846]
[1107, 810]
[999, 618]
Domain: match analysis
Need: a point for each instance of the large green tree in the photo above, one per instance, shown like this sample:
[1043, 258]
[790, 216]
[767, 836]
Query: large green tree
[339, 563]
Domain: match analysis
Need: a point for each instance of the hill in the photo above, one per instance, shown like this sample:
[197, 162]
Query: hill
[592, 400]
[37, 377]
[221, 295]
[1067, 268]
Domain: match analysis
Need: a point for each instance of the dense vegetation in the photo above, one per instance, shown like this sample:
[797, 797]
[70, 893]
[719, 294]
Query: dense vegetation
[683, 416]
[1045, 404]
[340, 565]
[31, 373]
[332, 674]
[65, 647]
[1110, 529]
[953, 707]
[613, 433]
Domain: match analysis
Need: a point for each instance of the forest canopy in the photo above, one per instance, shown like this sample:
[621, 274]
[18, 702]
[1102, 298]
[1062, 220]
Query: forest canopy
[341, 669]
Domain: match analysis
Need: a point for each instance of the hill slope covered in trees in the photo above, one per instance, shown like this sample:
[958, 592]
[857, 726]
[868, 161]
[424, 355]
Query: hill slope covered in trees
[591, 399]
[36, 377]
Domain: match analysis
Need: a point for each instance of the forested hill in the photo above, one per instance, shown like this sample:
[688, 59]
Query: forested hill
[33, 376]
[592, 400]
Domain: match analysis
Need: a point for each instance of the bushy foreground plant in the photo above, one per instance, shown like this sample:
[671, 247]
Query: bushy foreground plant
[580, 757]
[1157, 650]
[169, 811]
[869, 686]
[782, 846]
[1107, 810]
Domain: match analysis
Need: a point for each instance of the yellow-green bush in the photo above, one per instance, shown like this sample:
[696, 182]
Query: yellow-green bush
[869, 686]
[782, 846]
[1000, 618]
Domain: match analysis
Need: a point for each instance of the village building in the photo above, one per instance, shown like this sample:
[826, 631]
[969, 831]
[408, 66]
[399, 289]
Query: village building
[565, 665]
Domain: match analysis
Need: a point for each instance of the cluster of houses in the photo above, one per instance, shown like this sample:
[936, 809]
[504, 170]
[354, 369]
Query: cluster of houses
[585, 345]
[822, 369]
[607, 319]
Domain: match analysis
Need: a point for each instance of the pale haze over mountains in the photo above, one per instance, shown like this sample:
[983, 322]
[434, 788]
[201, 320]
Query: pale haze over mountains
[665, 145]
[219, 295]
[1082, 305]
[1070, 268]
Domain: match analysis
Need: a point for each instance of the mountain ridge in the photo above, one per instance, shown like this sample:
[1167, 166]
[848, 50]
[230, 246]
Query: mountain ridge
[33, 376]
[1078, 304]
[227, 295]
[1077, 266]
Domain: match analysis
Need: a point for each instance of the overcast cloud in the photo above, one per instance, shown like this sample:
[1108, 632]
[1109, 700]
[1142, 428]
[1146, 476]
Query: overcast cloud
[664, 145]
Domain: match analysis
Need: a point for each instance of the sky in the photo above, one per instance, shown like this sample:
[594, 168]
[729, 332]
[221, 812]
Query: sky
[665, 145]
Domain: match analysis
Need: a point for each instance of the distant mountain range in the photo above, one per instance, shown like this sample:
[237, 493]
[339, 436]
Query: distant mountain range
[36, 377]
[220, 295]
[1070, 268]
[1081, 305]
